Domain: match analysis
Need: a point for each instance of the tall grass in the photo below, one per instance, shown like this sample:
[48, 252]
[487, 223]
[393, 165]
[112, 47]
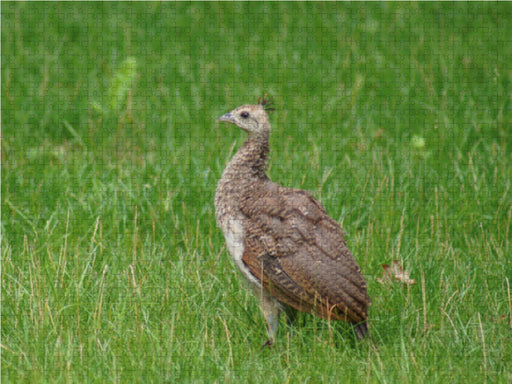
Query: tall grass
[396, 116]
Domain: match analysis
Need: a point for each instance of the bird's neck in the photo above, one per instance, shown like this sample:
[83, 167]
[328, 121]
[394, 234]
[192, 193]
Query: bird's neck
[251, 159]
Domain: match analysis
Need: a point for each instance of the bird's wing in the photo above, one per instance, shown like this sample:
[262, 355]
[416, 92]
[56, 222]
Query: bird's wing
[300, 254]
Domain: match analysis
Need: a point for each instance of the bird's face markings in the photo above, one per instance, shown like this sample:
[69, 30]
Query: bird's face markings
[250, 118]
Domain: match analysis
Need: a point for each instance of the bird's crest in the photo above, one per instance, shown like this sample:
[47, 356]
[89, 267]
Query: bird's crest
[267, 103]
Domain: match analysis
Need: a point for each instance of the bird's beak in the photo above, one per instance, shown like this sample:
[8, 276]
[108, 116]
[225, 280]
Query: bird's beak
[227, 117]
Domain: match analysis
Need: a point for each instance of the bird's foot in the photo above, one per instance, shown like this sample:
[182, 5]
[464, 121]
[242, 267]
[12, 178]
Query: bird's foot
[267, 343]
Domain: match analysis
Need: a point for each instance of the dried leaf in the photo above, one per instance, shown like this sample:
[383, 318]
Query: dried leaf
[395, 272]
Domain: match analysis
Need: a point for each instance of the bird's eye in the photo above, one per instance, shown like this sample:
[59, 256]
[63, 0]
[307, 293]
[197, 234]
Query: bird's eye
[245, 115]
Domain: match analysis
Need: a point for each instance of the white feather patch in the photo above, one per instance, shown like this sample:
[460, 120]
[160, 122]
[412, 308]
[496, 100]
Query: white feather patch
[235, 239]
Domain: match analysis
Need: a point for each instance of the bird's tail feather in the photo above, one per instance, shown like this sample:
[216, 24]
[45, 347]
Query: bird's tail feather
[361, 330]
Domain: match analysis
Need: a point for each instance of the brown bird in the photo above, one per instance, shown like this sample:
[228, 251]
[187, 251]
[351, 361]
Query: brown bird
[291, 252]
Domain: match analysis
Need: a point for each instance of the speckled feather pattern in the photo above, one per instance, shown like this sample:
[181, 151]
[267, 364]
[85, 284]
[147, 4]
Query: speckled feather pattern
[282, 239]
[291, 245]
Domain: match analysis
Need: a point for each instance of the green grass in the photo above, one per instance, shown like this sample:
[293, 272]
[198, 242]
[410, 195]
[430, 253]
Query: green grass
[113, 269]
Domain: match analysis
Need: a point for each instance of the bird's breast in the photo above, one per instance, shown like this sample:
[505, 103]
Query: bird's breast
[234, 233]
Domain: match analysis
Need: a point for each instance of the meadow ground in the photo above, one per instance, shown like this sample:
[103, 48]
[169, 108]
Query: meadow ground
[397, 116]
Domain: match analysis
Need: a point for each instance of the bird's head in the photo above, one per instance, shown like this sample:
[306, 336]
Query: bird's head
[251, 118]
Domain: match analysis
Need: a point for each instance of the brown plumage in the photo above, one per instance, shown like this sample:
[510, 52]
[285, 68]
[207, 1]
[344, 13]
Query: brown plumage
[291, 252]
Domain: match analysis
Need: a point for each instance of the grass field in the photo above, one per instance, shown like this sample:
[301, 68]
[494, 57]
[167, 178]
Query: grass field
[397, 116]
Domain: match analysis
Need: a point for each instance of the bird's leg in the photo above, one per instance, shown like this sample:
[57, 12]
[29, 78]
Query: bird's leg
[272, 324]
[291, 314]
[271, 309]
